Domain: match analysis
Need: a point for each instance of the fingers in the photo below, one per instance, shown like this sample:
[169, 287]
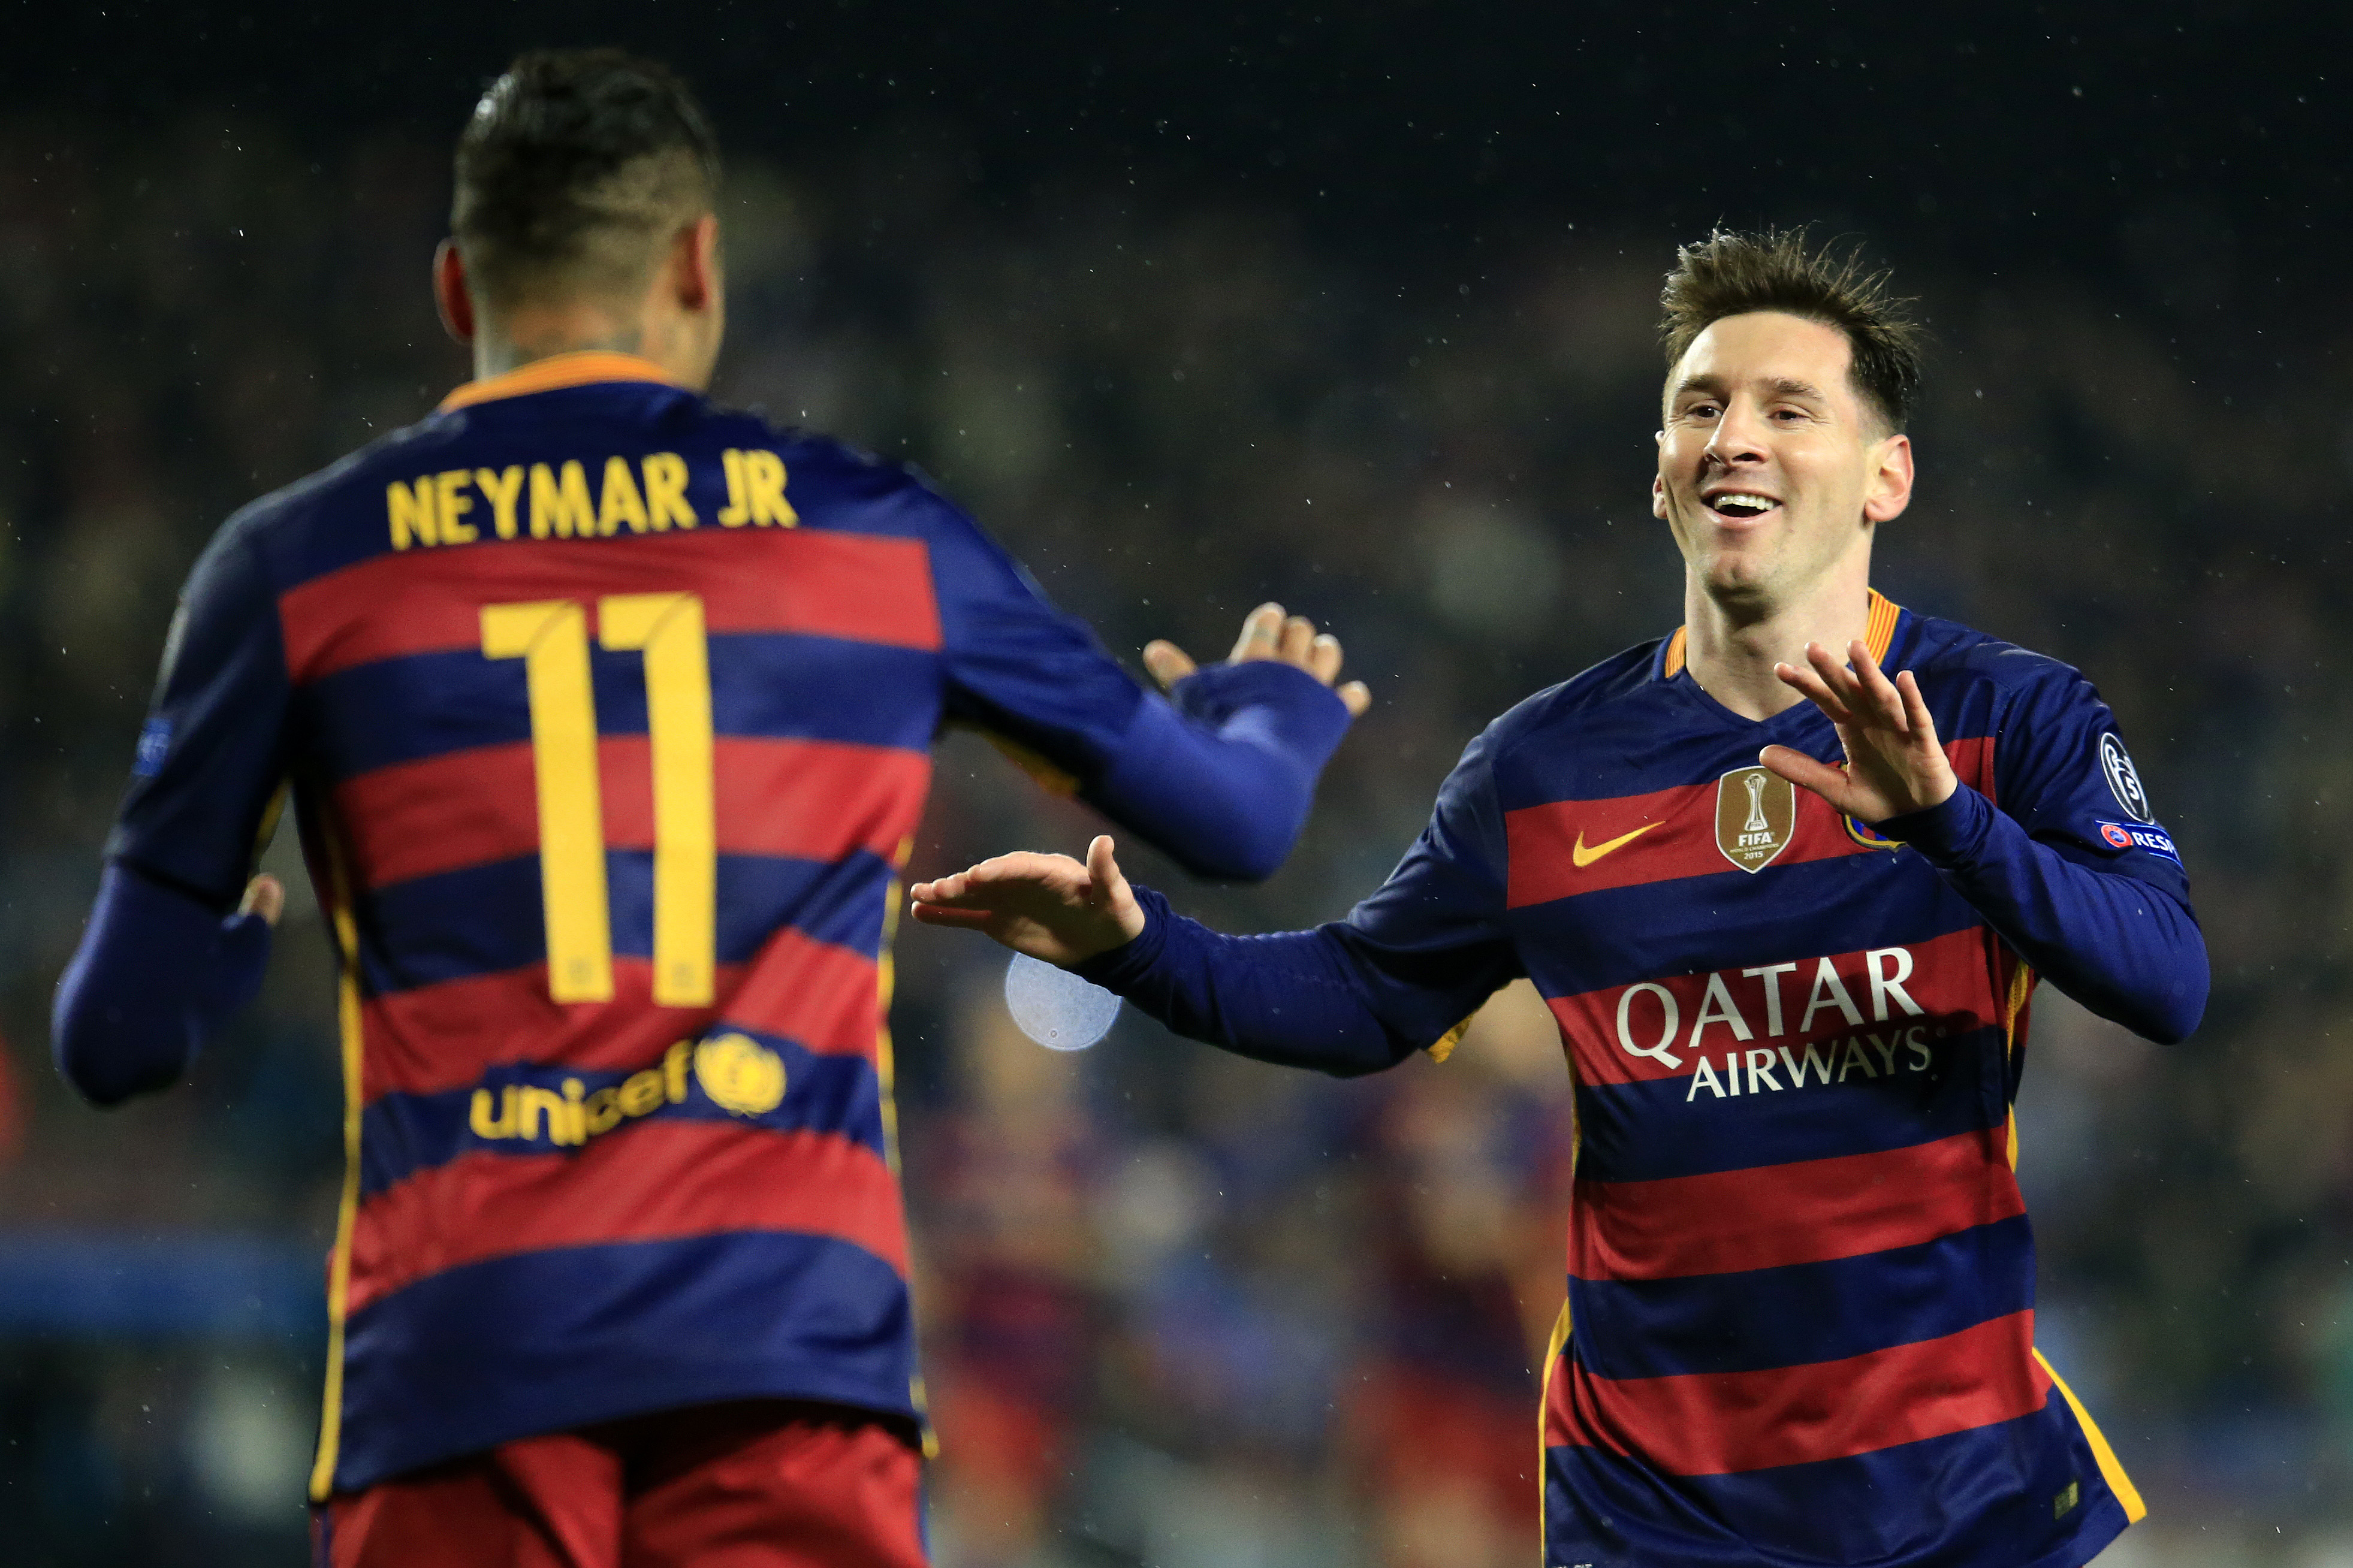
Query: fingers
[1105, 882]
[1003, 881]
[1836, 675]
[1832, 784]
[1261, 628]
[1167, 663]
[1917, 721]
[1873, 687]
[1807, 679]
[264, 896]
[942, 915]
[1358, 697]
[1323, 659]
[1297, 641]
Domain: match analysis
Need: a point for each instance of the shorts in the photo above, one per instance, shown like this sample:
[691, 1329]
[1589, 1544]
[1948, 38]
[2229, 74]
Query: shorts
[761, 1484]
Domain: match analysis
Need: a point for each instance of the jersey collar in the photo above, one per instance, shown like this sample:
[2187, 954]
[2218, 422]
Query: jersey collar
[1878, 635]
[580, 368]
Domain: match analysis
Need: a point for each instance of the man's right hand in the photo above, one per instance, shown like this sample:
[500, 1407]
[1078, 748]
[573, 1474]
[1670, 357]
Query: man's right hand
[1267, 633]
[1047, 905]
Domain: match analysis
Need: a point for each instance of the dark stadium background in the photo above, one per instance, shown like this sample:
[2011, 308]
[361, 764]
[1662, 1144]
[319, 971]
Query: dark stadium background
[1197, 306]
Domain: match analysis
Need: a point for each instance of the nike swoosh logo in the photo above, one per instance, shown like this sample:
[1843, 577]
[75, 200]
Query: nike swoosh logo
[1584, 857]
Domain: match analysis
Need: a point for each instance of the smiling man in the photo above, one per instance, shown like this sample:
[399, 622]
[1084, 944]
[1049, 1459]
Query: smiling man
[1789, 914]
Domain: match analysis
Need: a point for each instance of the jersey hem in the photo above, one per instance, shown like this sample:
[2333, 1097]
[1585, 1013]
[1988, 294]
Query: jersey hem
[724, 1386]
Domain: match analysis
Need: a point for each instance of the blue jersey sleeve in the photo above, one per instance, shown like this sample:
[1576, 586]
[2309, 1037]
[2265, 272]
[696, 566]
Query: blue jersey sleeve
[2072, 868]
[1403, 972]
[162, 961]
[213, 756]
[1222, 779]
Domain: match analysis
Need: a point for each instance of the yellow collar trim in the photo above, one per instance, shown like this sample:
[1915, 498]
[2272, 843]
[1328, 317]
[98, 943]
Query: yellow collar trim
[580, 368]
[1878, 634]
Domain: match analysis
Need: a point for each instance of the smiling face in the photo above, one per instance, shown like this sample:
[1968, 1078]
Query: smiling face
[1772, 469]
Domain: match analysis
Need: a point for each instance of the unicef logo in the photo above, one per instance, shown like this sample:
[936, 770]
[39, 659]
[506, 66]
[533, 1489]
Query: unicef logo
[2124, 781]
[740, 1074]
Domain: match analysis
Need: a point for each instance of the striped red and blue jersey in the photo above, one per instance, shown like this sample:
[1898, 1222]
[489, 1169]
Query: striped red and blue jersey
[608, 716]
[1799, 1324]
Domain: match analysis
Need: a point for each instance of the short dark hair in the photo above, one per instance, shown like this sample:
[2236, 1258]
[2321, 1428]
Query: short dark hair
[578, 166]
[1774, 269]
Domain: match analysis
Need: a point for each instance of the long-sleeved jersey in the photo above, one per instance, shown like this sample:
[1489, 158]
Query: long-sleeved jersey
[608, 716]
[1800, 1324]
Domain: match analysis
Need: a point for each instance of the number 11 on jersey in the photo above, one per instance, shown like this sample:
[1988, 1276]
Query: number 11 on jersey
[551, 637]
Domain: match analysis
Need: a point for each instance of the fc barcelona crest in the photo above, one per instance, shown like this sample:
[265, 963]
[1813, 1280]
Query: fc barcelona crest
[1756, 815]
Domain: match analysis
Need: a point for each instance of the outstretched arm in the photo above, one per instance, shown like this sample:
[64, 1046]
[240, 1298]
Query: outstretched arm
[1295, 998]
[1222, 774]
[2123, 946]
[1219, 774]
[1401, 974]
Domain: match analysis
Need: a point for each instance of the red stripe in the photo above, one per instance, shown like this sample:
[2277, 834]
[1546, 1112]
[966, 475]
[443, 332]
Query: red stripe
[827, 998]
[1707, 1423]
[1541, 841]
[655, 1181]
[1808, 1211]
[1972, 761]
[439, 1037]
[858, 586]
[809, 800]
[1951, 982]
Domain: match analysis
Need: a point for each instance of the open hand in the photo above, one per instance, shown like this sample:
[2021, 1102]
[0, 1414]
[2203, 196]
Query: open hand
[1893, 762]
[1047, 905]
[1267, 633]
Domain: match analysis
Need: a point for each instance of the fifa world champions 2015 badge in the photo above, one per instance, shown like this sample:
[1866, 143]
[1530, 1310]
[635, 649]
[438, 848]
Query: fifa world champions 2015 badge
[1756, 816]
[2124, 779]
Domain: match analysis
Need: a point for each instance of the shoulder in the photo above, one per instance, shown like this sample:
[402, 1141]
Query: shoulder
[834, 483]
[1948, 658]
[281, 531]
[1622, 677]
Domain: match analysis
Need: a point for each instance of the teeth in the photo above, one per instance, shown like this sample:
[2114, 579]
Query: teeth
[1761, 503]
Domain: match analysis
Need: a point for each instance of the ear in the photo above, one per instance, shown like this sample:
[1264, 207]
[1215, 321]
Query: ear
[1889, 489]
[450, 295]
[694, 263]
[1659, 481]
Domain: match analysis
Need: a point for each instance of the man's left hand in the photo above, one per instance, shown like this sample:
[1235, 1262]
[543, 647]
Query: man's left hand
[1893, 764]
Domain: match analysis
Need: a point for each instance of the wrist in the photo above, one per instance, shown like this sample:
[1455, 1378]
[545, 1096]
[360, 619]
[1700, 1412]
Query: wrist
[1114, 966]
[1944, 831]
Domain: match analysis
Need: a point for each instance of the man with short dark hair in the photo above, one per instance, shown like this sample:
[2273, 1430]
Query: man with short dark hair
[1788, 914]
[606, 714]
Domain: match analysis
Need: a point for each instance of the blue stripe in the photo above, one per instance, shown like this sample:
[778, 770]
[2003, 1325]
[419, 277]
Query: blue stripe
[1806, 1312]
[486, 919]
[403, 1133]
[1782, 913]
[1642, 1131]
[1963, 1500]
[1623, 733]
[762, 684]
[546, 1341]
[1617, 729]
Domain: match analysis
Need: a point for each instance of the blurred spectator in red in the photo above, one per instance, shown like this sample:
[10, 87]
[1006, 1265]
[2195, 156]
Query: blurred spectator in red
[1012, 1251]
[1474, 1185]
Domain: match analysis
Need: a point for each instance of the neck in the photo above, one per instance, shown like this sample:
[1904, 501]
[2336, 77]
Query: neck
[542, 331]
[1731, 645]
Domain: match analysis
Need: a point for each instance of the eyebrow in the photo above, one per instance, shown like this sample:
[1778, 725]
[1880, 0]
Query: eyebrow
[1776, 386]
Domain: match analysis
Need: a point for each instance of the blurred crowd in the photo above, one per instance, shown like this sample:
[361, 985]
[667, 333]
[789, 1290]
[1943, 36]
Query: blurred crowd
[1181, 1309]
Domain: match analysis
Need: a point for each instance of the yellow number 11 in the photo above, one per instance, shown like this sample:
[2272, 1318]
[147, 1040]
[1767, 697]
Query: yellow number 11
[551, 637]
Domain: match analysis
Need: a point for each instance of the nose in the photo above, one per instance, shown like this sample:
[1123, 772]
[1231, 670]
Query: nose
[1739, 435]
